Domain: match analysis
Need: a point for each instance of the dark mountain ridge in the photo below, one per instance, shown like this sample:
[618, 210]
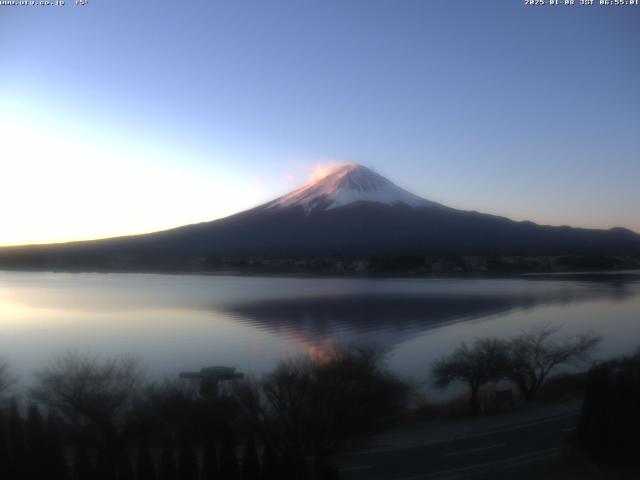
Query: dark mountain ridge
[351, 215]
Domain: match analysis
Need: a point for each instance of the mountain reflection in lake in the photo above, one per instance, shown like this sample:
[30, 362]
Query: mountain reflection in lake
[175, 323]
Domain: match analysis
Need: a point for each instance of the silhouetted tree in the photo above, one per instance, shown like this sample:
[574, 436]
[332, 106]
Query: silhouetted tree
[35, 429]
[125, 471]
[36, 444]
[86, 390]
[485, 361]
[167, 407]
[229, 469]
[4, 447]
[187, 461]
[309, 408]
[6, 379]
[210, 459]
[82, 467]
[106, 464]
[609, 421]
[536, 353]
[17, 443]
[145, 468]
[250, 461]
[270, 464]
[167, 464]
[56, 462]
[90, 392]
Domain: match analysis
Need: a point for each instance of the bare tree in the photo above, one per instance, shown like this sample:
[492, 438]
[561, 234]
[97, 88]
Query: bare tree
[168, 404]
[6, 379]
[485, 361]
[86, 390]
[312, 409]
[534, 354]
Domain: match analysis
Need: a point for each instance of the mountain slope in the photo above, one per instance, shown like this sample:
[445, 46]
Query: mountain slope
[352, 213]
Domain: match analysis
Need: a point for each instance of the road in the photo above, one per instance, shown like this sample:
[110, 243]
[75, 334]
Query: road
[519, 451]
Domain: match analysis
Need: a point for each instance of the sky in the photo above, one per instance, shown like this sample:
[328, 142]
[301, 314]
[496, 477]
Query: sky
[121, 117]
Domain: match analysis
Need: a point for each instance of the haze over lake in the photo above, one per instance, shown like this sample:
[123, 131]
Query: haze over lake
[185, 322]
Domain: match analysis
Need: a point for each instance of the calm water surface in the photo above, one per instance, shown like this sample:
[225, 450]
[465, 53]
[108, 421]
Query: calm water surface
[173, 323]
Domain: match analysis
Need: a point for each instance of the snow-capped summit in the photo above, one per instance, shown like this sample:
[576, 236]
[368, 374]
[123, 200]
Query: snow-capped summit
[349, 184]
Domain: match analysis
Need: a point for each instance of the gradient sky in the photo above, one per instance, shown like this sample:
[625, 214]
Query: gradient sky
[130, 116]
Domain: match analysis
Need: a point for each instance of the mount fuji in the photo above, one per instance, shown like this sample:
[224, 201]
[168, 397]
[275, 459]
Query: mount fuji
[353, 216]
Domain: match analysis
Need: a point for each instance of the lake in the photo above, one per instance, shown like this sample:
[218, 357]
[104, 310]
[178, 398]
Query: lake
[184, 322]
